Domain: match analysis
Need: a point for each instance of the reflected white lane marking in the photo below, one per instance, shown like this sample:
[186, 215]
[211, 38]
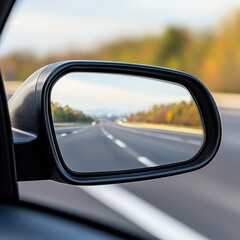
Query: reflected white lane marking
[178, 139]
[104, 131]
[110, 136]
[84, 129]
[142, 214]
[195, 142]
[164, 136]
[120, 143]
[81, 130]
[63, 134]
[143, 160]
[147, 162]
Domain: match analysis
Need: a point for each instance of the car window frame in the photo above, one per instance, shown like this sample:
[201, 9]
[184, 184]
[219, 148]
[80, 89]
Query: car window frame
[8, 180]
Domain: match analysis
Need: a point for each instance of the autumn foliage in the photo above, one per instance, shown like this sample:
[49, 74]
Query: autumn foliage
[178, 114]
[213, 55]
[62, 114]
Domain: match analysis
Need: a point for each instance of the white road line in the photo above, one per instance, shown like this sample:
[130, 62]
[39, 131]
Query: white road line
[142, 214]
[147, 162]
[163, 136]
[80, 130]
[63, 134]
[84, 129]
[120, 143]
[104, 131]
[195, 142]
[110, 136]
[143, 160]
[177, 139]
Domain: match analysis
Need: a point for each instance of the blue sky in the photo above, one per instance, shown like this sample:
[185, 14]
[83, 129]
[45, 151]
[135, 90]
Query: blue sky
[56, 26]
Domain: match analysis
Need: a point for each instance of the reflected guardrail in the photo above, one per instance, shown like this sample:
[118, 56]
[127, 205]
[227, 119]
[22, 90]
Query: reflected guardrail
[162, 127]
[223, 100]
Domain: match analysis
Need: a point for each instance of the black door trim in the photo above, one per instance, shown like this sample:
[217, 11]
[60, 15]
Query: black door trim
[8, 182]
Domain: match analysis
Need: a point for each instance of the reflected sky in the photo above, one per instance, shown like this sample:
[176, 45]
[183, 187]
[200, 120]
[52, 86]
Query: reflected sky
[119, 94]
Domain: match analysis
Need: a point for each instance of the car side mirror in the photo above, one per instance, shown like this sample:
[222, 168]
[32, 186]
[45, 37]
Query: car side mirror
[106, 122]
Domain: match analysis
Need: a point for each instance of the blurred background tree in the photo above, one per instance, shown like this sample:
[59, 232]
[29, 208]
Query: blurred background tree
[214, 57]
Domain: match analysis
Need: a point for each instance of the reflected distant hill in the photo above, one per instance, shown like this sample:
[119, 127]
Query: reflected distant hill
[106, 113]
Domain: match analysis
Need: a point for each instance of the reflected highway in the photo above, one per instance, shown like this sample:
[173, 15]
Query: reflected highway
[206, 200]
[108, 146]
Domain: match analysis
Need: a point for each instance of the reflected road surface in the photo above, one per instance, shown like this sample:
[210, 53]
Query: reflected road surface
[207, 201]
[108, 146]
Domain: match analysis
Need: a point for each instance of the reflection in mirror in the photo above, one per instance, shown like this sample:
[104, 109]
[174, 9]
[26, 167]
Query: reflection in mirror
[109, 122]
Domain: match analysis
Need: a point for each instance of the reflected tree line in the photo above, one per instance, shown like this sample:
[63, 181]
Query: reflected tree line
[66, 114]
[213, 56]
[179, 114]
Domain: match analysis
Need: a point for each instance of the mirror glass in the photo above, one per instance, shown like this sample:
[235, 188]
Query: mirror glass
[109, 122]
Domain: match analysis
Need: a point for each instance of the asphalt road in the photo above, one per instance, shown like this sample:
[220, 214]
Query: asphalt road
[207, 201]
[108, 146]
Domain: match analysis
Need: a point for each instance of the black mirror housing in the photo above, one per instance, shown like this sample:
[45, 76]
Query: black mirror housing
[37, 154]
